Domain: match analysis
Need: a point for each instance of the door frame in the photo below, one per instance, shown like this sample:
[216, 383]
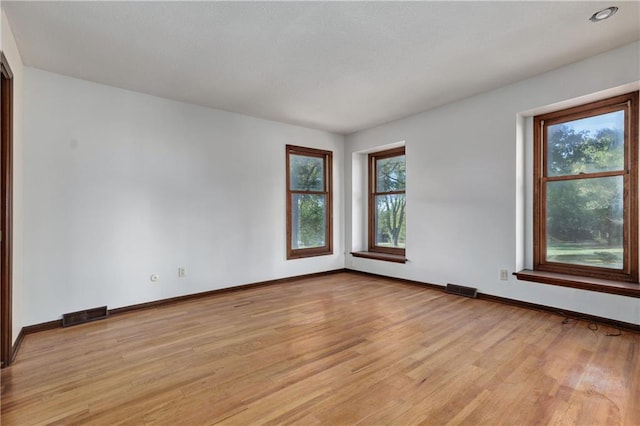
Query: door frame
[6, 209]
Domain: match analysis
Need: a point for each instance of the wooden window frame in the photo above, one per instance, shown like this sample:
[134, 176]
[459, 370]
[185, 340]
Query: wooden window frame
[327, 157]
[373, 157]
[629, 272]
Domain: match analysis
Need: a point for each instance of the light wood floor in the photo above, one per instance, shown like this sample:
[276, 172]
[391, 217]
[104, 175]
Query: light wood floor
[335, 350]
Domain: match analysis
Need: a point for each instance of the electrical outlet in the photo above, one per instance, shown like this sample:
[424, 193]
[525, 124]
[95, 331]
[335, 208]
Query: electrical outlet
[182, 272]
[504, 275]
[154, 277]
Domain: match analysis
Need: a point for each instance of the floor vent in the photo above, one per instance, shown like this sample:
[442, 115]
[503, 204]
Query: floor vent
[80, 317]
[462, 290]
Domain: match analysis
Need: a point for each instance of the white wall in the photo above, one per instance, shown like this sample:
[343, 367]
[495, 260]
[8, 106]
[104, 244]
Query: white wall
[120, 185]
[466, 186]
[15, 62]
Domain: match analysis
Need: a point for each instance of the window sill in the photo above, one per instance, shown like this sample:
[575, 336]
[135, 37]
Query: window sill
[309, 252]
[584, 283]
[380, 256]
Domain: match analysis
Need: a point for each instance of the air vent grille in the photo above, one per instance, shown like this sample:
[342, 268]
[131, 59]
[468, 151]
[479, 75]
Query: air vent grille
[462, 290]
[80, 317]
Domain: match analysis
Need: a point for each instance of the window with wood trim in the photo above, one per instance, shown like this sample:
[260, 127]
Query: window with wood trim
[387, 201]
[309, 201]
[586, 190]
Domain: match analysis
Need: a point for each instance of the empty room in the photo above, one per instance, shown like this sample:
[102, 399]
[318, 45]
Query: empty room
[313, 212]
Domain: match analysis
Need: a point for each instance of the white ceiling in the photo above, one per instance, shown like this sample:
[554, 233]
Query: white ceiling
[336, 66]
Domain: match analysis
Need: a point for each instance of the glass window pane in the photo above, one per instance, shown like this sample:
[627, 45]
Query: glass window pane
[390, 220]
[306, 173]
[391, 174]
[585, 222]
[589, 145]
[308, 221]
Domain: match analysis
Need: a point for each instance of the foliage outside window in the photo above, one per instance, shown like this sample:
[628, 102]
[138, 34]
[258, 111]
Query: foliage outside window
[387, 201]
[585, 190]
[309, 196]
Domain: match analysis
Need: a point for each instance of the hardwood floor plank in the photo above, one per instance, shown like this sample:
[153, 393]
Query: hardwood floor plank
[338, 349]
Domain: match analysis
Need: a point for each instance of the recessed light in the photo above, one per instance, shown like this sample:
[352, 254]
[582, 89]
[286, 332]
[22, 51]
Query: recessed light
[603, 14]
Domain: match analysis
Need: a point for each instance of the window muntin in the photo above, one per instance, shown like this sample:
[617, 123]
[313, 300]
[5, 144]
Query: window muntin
[387, 201]
[585, 193]
[309, 196]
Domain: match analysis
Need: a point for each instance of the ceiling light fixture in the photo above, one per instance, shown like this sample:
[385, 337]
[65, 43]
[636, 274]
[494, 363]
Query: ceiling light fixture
[603, 14]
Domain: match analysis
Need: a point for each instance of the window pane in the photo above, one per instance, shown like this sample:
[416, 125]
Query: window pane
[308, 221]
[390, 220]
[306, 173]
[588, 145]
[391, 174]
[585, 222]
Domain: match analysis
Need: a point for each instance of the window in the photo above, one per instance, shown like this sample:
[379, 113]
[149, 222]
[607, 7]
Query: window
[387, 201]
[309, 195]
[585, 190]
